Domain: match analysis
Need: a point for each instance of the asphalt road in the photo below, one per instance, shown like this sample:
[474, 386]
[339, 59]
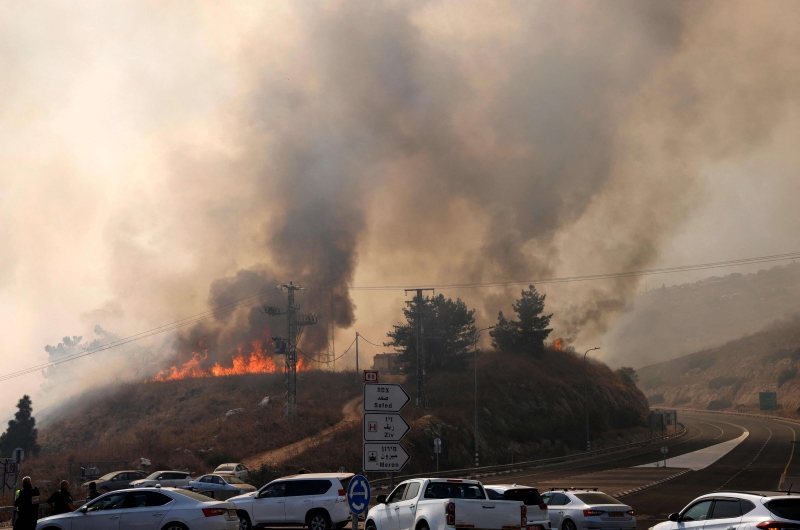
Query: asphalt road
[757, 463]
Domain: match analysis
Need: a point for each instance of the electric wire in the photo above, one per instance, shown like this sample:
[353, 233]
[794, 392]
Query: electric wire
[370, 342]
[326, 362]
[222, 309]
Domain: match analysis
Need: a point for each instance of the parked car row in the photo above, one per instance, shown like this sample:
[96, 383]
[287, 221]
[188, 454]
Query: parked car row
[117, 480]
[318, 501]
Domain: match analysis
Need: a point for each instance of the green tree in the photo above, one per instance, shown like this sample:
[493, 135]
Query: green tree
[21, 430]
[526, 335]
[628, 374]
[448, 331]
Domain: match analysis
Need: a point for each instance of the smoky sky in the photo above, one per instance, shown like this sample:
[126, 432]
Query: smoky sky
[160, 160]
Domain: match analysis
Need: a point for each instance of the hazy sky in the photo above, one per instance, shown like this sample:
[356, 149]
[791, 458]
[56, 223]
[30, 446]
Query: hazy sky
[158, 157]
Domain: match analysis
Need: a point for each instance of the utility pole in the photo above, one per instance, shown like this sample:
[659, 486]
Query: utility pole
[358, 375]
[294, 321]
[420, 348]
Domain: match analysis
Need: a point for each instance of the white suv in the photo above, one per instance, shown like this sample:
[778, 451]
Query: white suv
[723, 510]
[538, 518]
[316, 500]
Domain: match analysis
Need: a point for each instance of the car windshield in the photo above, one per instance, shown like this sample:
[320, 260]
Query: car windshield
[785, 508]
[153, 476]
[226, 467]
[597, 498]
[529, 496]
[193, 495]
[449, 490]
[107, 476]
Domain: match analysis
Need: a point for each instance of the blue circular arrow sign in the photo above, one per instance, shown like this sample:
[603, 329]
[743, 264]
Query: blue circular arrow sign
[358, 493]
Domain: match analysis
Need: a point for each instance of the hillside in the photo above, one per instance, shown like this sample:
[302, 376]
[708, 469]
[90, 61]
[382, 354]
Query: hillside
[536, 404]
[731, 375]
[669, 322]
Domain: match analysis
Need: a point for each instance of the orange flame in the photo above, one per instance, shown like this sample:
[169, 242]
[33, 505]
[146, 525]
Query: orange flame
[558, 344]
[259, 361]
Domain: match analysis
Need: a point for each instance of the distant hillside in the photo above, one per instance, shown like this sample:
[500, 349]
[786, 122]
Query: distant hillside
[732, 375]
[669, 322]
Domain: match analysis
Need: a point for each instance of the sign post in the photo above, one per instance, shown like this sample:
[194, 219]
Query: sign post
[383, 426]
[358, 494]
[437, 448]
[664, 452]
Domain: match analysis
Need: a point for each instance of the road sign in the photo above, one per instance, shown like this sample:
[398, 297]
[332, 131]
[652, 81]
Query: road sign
[437, 445]
[18, 454]
[384, 398]
[384, 427]
[664, 450]
[358, 493]
[388, 457]
[768, 400]
[371, 376]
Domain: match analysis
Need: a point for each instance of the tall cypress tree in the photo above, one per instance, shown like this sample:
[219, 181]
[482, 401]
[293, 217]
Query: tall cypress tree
[21, 430]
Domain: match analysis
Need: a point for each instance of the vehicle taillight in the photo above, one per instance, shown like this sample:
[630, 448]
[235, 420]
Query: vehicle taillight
[589, 513]
[342, 493]
[543, 506]
[631, 512]
[524, 514]
[211, 512]
[776, 525]
[450, 512]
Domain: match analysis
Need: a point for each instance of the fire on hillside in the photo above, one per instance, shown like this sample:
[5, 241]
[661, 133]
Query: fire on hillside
[258, 361]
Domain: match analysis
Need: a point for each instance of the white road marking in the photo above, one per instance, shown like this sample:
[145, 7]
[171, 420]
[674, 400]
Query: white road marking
[702, 458]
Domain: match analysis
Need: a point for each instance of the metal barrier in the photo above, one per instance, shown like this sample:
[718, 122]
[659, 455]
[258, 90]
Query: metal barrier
[476, 472]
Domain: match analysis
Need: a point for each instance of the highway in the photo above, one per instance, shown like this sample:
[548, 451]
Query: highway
[757, 462]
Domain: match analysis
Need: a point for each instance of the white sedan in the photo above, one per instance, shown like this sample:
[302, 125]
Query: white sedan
[237, 470]
[147, 509]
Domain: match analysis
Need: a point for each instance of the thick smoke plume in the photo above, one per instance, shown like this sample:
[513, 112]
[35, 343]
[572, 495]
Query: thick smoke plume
[180, 156]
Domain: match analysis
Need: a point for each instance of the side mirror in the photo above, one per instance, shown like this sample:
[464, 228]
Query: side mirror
[380, 499]
[674, 517]
[83, 508]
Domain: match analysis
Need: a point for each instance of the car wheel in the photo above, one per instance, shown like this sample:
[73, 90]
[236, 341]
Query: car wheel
[568, 525]
[244, 520]
[422, 526]
[173, 526]
[341, 525]
[370, 526]
[318, 520]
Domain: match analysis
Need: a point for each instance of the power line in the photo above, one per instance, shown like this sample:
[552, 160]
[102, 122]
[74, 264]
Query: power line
[589, 277]
[370, 342]
[222, 309]
[327, 362]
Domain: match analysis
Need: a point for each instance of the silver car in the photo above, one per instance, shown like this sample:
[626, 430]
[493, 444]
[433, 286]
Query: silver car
[221, 486]
[728, 509]
[538, 518]
[147, 509]
[587, 509]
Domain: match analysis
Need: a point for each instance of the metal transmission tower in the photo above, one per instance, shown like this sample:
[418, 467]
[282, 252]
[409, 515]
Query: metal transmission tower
[421, 402]
[294, 321]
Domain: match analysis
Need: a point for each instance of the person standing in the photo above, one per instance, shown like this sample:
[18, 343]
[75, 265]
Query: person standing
[27, 505]
[93, 493]
[61, 500]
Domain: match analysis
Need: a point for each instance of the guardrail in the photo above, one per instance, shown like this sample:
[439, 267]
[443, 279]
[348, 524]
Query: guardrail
[475, 472]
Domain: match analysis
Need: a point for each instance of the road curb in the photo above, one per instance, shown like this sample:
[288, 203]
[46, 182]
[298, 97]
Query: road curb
[656, 483]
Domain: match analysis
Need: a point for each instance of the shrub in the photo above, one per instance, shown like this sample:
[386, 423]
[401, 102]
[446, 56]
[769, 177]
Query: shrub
[719, 404]
[263, 475]
[786, 375]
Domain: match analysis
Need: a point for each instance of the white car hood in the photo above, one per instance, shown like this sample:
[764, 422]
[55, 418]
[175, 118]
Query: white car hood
[52, 518]
[245, 497]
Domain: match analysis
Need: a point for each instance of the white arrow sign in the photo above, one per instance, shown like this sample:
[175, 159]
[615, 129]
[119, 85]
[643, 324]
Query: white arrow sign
[384, 457]
[386, 427]
[384, 398]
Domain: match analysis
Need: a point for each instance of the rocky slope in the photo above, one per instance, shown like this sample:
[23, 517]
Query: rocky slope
[732, 375]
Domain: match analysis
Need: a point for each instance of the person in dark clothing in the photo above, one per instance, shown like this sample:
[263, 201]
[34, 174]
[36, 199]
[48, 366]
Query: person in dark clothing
[93, 493]
[27, 505]
[61, 500]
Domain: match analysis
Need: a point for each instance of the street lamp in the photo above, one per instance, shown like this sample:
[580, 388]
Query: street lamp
[475, 349]
[586, 397]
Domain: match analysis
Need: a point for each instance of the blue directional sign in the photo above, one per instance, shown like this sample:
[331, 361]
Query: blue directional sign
[358, 493]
